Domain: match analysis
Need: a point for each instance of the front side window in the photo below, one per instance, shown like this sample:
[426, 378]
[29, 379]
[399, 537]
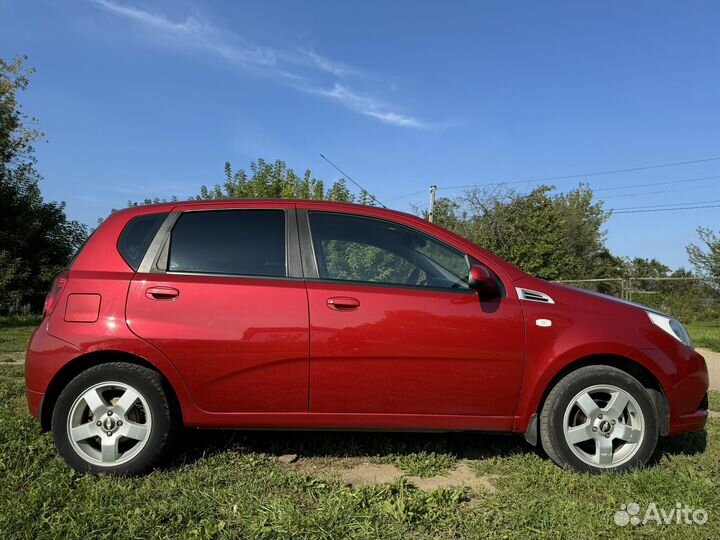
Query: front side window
[354, 248]
[235, 242]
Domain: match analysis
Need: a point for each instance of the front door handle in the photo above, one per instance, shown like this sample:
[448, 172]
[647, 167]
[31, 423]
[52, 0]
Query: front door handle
[343, 303]
[162, 293]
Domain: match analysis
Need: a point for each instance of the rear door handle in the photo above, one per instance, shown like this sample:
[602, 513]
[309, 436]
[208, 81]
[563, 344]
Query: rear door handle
[343, 303]
[162, 293]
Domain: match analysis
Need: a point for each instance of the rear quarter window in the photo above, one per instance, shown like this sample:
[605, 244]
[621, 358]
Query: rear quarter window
[136, 237]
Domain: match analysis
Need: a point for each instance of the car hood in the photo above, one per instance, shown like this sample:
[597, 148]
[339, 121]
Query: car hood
[612, 299]
[562, 293]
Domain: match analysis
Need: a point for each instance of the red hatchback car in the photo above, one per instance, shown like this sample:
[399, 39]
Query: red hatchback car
[317, 315]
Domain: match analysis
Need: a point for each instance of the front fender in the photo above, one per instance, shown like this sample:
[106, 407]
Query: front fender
[541, 373]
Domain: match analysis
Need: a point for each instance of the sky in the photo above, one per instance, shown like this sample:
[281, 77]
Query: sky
[149, 99]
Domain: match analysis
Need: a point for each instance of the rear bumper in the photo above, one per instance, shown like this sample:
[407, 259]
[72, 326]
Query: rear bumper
[44, 358]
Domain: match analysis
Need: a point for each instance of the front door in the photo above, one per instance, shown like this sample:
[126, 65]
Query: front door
[395, 328]
[226, 312]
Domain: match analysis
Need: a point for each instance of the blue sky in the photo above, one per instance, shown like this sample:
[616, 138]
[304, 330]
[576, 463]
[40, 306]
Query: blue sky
[142, 98]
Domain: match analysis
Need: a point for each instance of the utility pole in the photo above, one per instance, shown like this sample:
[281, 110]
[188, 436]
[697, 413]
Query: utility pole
[431, 213]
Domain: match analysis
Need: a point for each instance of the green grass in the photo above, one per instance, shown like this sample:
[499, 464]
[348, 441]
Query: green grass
[14, 335]
[714, 400]
[229, 485]
[226, 484]
[705, 334]
[426, 462]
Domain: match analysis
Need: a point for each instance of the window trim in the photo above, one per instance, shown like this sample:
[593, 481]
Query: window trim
[149, 262]
[158, 261]
[392, 286]
[310, 263]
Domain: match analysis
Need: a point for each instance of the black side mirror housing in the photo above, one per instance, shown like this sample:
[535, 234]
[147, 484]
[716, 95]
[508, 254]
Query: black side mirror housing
[483, 281]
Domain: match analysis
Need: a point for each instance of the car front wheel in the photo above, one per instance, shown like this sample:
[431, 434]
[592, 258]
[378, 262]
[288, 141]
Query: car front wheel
[599, 419]
[113, 418]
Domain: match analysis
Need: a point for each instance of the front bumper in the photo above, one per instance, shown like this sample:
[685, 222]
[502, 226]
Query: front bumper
[34, 401]
[688, 396]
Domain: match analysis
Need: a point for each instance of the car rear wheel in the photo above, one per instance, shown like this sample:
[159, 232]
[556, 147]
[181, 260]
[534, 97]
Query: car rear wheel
[599, 419]
[114, 418]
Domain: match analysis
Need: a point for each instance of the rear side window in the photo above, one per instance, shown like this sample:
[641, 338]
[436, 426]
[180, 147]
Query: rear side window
[136, 237]
[235, 242]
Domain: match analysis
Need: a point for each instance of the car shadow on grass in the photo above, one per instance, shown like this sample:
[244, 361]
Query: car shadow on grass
[196, 444]
[200, 443]
[687, 444]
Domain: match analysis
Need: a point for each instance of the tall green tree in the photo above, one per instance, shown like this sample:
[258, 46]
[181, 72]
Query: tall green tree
[448, 213]
[551, 235]
[706, 263]
[36, 238]
[274, 181]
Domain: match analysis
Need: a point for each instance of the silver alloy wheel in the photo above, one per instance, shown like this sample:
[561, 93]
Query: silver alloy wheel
[604, 426]
[109, 424]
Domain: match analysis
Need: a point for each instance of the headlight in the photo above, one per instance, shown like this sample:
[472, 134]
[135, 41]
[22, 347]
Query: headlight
[671, 326]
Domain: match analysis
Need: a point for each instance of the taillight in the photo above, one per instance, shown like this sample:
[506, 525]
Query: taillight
[55, 290]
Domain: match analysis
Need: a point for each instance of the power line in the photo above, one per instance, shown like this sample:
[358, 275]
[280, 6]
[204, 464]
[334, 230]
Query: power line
[594, 173]
[681, 181]
[636, 210]
[629, 186]
[667, 209]
[647, 193]
[641, 209]
[666, 205]
[405, 196]
[613, 188]
[346, 175]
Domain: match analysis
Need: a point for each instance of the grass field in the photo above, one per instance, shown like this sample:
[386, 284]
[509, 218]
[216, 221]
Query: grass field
[222, 484]
[14, 335]
[705, 334]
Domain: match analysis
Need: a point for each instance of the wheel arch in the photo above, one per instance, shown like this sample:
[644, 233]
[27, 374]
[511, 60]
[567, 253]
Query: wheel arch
[73, 368]
[646, 377]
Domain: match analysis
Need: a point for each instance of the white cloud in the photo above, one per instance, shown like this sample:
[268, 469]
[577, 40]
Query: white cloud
[368, 106]
[301, 69]
[330, 66]
[195, 32]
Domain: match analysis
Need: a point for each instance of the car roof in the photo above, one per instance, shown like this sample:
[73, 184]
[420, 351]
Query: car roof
[239, 203]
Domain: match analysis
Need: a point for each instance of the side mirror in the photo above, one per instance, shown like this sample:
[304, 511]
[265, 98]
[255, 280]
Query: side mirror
[483, 281]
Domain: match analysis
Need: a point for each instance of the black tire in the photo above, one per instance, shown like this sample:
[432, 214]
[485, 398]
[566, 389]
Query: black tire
[158, 397]
[553, 419]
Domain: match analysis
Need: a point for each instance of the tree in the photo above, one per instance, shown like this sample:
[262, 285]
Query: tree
[639, 267]
[645, 268]
[447, 213]
[553, 236]
[706, 263]
[274, 181]
[36, 238]
[267, 181]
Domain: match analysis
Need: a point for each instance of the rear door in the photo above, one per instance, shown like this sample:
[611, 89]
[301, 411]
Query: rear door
[221, 295]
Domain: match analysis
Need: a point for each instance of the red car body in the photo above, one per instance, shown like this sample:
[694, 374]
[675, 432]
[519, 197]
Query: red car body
[300, 352]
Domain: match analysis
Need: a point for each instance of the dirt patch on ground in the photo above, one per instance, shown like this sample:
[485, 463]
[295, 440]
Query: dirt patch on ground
[371, 474]
[462, 476]
[12, 358]
[713, 363]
